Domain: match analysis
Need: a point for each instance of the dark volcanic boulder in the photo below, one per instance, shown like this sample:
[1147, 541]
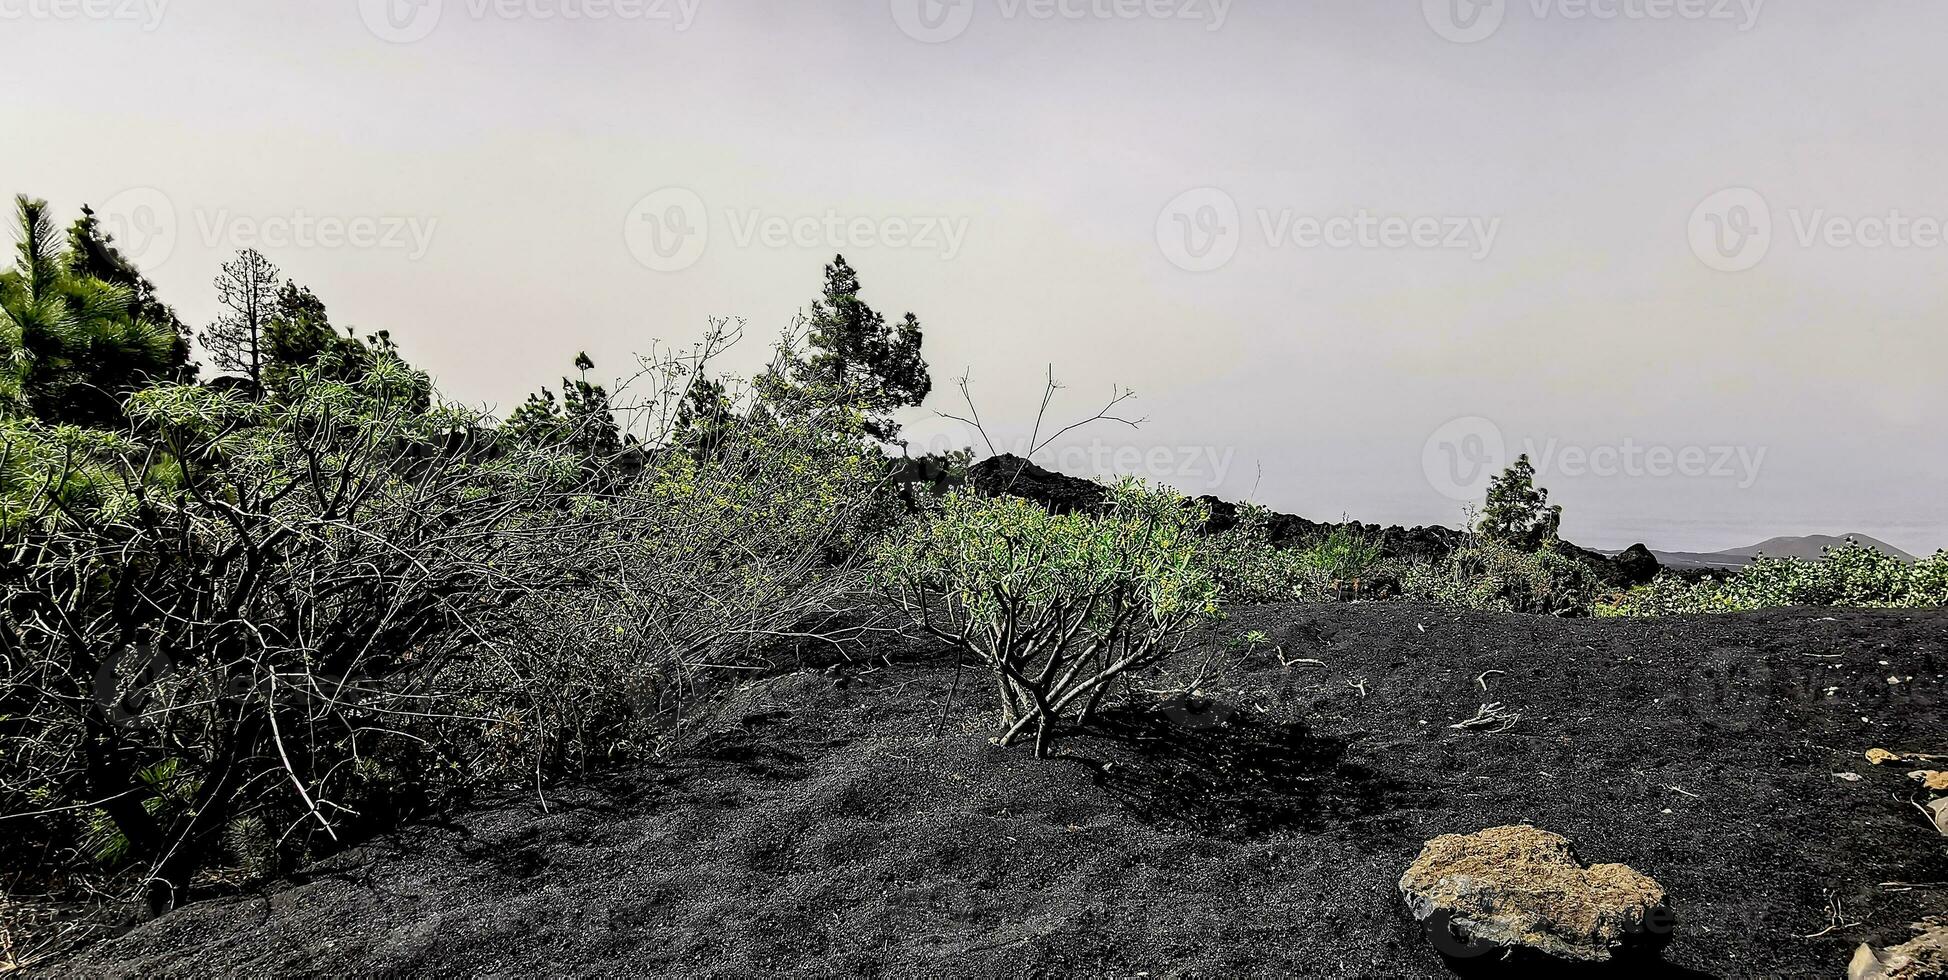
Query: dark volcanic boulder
[1637, 565]
[1524, 887]
[1627, 570]
[1017, 477]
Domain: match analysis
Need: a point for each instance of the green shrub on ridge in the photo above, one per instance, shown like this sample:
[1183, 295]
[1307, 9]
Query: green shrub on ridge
[1848, 576]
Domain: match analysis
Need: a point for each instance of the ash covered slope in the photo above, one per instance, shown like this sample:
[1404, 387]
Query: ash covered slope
[822, 825]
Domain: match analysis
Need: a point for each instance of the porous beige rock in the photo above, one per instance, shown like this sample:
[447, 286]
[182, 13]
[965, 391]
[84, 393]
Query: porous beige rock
[1924, 956]
[1520, 886]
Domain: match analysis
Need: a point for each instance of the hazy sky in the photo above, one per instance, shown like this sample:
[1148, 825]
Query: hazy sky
[1349, 254]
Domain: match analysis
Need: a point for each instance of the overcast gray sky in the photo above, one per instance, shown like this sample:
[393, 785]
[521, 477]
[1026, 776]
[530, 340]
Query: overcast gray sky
[1351, 255]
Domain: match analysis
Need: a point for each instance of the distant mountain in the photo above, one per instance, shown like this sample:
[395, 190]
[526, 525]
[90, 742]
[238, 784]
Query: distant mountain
[1811, 545]
[1805, 546]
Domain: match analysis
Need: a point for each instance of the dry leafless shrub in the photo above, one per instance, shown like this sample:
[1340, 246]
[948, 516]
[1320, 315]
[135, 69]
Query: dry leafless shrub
[731, 533]
[258, 625]
[220, 616]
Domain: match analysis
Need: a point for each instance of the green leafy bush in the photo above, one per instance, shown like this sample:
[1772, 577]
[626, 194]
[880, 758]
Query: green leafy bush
[1249, 569]
[313, 611]
[1058, 606]
[1852, 575]
[1344, 563]
[1494, 577]
[1346, 556]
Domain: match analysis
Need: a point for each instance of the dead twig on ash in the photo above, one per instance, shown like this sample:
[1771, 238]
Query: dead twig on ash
[1492, 719]
[1836, 913]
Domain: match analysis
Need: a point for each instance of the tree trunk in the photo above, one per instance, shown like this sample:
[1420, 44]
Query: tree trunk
[112, 780]
[1010, 704]
[1095, 701]
[210, 810]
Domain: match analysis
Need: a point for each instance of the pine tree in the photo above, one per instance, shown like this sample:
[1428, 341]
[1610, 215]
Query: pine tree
[92, 253]
[858, 358]
[72, 344]
[1518, 512]
[582, 421]
[248, 289]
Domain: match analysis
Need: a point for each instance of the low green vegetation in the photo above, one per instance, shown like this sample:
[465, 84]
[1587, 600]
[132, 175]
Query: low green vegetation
[1346, 559]
[1491, 576]
[1344, 563]
[1847, 576]
[1510, 562]
[1249, 568]
[1057, 606]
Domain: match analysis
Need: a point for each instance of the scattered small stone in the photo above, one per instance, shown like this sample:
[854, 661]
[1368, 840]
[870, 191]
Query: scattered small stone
[1851, 777]
[1931, 779]
[1524, 887]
